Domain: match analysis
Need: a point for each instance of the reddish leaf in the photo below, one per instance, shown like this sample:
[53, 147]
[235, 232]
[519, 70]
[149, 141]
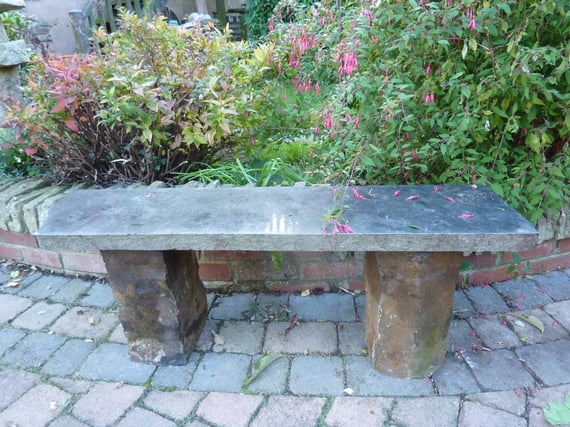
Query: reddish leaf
[70, 123]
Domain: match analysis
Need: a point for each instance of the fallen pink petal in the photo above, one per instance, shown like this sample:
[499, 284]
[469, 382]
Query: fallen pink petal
[357, 194]
[450, 199]
[465, 216]
[435, 188]
[396, 193]
[413, 197]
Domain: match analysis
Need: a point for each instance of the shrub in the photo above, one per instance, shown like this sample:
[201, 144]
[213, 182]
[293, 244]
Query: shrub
[155, 100]
[444, 92]
[15, 24]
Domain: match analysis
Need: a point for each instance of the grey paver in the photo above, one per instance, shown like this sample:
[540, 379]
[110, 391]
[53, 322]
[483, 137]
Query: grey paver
[427, 411]
[486, 300]
[111, 362]
[359, 411]
[72, 386]
[67, 421]
[309, 337]
[522, 293]
[360, 303]
[328, 306]
[560, 311]
[351, 338]
[489, 369]
[85, 322]
[118, 335]
[71, 290]
[175, 376]
[39, 315]
[33, 350]
[9, 337]
[138, 417]
[317, 376]
[532, 335]
[44, 287]
[234, 307]
[289, 411]
[462, 307]
[556, 285]
[11, 306]
[37, 407]
[241, 337]
[461, 336]
[544, 396]
[14, 383]
[494, 332]
[228, 410]
[548, 361]
[176, 404]
[454, 377]
[106, 403]
[475, 415]
[365, 381]
[206, 338]
[272, 307]
[99, 295]
[273, 379]
[513, 401]
[68, 358]
[221, 372]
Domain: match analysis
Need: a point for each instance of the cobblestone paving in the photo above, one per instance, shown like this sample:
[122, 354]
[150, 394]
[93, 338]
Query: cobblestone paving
[64, 361]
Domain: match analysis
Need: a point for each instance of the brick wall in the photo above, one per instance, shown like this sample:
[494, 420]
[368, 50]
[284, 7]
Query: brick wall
[289, 271]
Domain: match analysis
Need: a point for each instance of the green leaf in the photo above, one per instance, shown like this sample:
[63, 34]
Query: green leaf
[558, 413]
[260, 365]
[531, 320]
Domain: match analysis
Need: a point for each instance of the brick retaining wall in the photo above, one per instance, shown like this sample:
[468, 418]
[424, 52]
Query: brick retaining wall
[22, 209]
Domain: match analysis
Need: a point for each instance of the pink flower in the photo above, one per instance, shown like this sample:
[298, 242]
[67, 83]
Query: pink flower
[328, 120]
[428, 69]
[471, 25]
[271, 24]
[317, 88]
[356, 122]
[357, 195]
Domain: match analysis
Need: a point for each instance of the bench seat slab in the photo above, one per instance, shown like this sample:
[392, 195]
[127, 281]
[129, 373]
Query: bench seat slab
[409, 305]
[162, 302]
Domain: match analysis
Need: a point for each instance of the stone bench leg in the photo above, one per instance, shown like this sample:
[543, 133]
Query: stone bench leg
[162, 302]
[409, 305]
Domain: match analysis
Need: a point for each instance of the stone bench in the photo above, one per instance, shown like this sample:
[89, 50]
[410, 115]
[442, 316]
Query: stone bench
[413, 237]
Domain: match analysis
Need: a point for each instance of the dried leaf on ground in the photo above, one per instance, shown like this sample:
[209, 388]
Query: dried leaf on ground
[260, 365]
[531, 320]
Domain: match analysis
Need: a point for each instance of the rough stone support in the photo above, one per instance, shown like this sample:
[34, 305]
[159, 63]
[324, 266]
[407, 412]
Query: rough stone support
[409, 305]
[162, 302]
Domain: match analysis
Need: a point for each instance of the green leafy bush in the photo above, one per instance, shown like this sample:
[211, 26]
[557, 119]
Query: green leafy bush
[154, 101]
[443, 92]
[15, 24]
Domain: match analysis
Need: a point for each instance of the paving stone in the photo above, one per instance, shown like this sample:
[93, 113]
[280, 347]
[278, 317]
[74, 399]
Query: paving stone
[494, 332]
[272, 307]
[228, 410]
[72, 386]
[438, 411]
[234, 307]
[359, 411]
[68, 358]
[85, 322]
[513, 401]
[99, 295]
[72, 290]
[461, 337]
[532, 335]
[67, 421]
[317, 376]
[328, 306]
[110, 362]
[455, 378]
[365, 381]
[462, 307]
[9, 337]
[273, 379]
[11, 306]
[360, 303]
[139, 417]
[37, 407]
[221, 372]
[476, 415]
[544, 396]
[14, 383]
[44, 287]
[536, 418]
[522, 294]
[311, 337]
[118, 335]
[33, 350]
[196, 423]
[176, 376]
[106, 403]
[548, 361]
[498, 370]
[174, 404]
[38, 316]
[241, 337]
[206, 338]
[486, 300]
[289, 411]
[351, 338]
[556, 285]
[560, 311]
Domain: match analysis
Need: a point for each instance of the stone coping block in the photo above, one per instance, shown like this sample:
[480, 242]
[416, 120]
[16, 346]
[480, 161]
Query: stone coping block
[13, 53]
[7, 5]
[455, 218]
